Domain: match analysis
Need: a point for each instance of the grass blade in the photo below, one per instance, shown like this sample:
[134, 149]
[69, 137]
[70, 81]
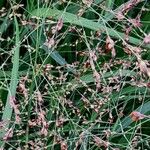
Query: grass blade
[7, 113]
[74, 19]
[127, 121]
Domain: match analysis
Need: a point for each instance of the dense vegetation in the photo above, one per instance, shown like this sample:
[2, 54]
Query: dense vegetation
[74, 74]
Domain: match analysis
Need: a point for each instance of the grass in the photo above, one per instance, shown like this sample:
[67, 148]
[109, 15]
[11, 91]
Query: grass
[74, 74]
[7, 113]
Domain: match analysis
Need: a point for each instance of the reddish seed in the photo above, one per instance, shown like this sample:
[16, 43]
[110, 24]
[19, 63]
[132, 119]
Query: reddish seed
[59, 24]
[148, 84]
[136, 116]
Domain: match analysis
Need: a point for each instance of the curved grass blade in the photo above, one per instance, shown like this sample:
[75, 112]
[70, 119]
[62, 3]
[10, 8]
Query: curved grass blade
[74, 19]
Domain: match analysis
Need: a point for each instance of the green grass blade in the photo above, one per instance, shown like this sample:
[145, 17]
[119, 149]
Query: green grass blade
[5, 24]
[7, 113]
[127, 121]
[109, 6]
[88, 78]
[74, 19]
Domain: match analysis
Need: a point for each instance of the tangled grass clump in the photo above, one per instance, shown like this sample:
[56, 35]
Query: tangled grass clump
[74, 74]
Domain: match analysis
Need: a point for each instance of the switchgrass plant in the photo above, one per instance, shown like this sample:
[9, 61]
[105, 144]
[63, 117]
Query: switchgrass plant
[74, 74]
